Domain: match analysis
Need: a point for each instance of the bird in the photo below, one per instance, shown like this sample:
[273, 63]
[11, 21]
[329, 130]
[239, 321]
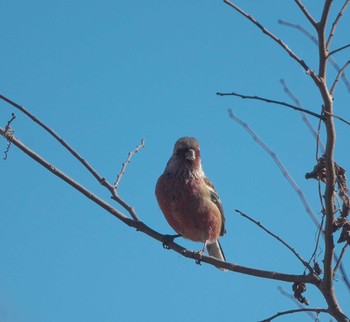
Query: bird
[188, 199]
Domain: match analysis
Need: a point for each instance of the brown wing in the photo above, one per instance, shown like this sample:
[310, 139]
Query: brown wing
[215, 198]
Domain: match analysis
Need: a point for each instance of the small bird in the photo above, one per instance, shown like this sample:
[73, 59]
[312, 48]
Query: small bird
[189, 200]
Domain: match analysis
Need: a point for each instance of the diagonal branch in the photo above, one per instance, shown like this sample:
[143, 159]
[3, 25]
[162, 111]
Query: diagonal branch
[340, 74]
[279, 164]
[335, 23]
[142, 227]
[125, 164]
[337, 50]
[340, 258]
[316, 310]
[295, 301]
[315, 41]
[306, 13]
[267, 100]
[304, 262]
[337, 117]
[277, 40]
[97, 176]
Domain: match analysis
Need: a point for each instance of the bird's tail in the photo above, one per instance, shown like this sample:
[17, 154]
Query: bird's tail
[214, 249]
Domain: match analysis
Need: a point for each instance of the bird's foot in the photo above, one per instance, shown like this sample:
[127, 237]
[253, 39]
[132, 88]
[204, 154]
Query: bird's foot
[169, 239]
[200, 254]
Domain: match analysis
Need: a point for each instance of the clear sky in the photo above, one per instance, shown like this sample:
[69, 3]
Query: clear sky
[103, 75]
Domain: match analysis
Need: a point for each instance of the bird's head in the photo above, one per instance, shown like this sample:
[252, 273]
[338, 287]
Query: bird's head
[186, 156]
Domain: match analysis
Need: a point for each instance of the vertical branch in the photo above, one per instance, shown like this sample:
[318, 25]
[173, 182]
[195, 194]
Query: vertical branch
[328, 286]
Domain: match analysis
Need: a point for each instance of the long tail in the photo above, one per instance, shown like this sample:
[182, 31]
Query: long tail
[215, 250]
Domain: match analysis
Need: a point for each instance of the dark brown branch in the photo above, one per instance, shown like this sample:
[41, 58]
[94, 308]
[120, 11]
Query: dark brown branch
[337, 50]
[322, 48]
[277, 40]
[97, 176]
[335, 23]
[140, 226]
[305, 263]
[303, 115]
[306, 13]
[125, 164]
[329, 193]
[53, 134]
[316, 310]
[337, 117]
[340, 74]
[267, 100]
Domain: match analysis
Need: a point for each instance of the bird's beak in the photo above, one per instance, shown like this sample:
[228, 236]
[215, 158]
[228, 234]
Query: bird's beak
[190, 155]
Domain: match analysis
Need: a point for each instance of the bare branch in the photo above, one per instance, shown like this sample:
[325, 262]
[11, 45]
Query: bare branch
[125, 164]
[303, 115]
[305, 263]
[337, 117]
[335, 23]
[279, 164]
[316, 310]
[337, 50]
[319, 231]
[140, 226]
[56, 136]
[267, 100]
[340, 74]
[97, 176]
[300, 28]
[315, 41]
[277, 40]
[306, 13]
[340, 258]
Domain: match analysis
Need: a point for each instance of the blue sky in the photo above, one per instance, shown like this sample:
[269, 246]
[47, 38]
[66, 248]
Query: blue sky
[104, 75]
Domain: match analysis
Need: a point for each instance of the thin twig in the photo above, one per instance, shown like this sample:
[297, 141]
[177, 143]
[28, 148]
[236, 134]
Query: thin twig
[125, 164]
[340, 73]
[315, 41]
[259, 224]
[8, 125]
[337, 117]
[336, 50]
[316, 310]
[340, 258]
[306, 13]
[335, 23]
[97, 176]
[303, 114]
[279, 164]
[277, 40]
[267, 100]
[300, 28]
[319, 231]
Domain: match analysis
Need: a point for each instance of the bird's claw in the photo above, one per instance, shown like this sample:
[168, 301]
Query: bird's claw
[169, 239]
[200, 253]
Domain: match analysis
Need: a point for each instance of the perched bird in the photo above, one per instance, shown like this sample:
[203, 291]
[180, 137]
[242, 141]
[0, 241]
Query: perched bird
[189, 200]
